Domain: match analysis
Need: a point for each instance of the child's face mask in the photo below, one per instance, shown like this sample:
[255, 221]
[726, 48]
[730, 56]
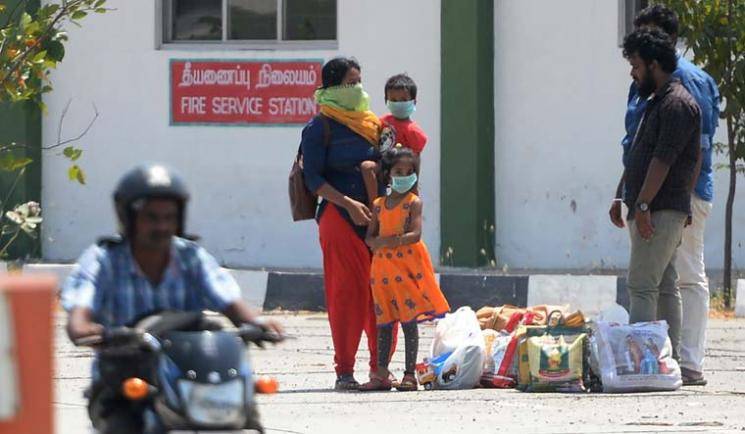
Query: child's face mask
[402, 184]
[401, 109]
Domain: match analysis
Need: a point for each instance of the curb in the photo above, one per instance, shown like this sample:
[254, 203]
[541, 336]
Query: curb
[303, 290]
[591, 294]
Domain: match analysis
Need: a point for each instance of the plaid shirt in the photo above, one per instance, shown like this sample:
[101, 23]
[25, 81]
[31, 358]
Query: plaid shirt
[107, 280]
[670, 132]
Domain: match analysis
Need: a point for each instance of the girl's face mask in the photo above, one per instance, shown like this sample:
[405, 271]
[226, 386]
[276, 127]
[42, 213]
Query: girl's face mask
[402, 184]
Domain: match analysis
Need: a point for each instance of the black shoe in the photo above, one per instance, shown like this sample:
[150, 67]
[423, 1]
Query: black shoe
[692, 378]
[346, 383]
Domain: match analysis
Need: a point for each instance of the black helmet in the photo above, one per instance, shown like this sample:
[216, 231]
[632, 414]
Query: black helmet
[145, 182]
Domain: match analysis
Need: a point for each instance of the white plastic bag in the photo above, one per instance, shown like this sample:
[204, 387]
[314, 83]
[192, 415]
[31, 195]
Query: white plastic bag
[460, 335]
[634, 358]
[615, 313]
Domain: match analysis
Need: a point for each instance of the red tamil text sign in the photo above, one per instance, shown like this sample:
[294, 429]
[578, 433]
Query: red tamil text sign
[243, 92]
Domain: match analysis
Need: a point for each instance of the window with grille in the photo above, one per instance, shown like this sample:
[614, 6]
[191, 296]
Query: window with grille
[261, 23]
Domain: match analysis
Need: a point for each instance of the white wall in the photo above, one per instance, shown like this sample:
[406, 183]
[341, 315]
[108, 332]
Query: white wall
[238, 175]
[560, 91]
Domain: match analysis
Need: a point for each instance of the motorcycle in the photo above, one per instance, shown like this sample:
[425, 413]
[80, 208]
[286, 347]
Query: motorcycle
[175, 372]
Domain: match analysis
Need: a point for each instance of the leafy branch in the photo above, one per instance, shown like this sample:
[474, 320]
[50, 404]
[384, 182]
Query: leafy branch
[31, 45]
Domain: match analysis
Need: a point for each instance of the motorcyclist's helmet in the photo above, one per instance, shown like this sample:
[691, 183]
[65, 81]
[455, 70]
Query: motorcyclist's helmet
[148, 181]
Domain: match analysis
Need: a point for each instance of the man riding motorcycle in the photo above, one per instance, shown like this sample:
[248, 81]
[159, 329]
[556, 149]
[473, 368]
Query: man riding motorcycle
[149, 267]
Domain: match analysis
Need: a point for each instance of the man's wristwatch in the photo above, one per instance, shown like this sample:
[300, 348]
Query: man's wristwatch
[642, 206]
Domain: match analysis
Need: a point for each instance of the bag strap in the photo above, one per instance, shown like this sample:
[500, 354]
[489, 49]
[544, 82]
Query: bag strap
[326, 129]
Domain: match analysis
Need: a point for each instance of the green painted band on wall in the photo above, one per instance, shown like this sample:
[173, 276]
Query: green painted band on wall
[467, 128]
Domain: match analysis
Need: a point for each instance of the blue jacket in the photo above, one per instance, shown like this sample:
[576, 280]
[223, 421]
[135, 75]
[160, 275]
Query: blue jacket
[338, 164]
[704, 90]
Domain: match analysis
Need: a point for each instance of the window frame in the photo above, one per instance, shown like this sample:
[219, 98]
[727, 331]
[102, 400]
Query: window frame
[164, 24]
[627, 11]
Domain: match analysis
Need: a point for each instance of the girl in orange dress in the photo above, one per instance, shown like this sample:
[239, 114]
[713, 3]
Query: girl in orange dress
[402, 278]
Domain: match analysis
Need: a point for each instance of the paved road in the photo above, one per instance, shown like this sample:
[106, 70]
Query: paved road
[306, 404]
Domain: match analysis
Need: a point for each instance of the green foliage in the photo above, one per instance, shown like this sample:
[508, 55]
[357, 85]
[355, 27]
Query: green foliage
[31, 45]
[72, 153]
[10, 162]
[714, 30]
[74, 173]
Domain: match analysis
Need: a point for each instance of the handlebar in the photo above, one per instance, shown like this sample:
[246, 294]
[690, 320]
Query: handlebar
[121, 336]
[117, 336]
[258, 335]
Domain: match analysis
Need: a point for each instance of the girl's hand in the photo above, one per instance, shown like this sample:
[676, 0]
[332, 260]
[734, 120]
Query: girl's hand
[373, 243]
[390, 242]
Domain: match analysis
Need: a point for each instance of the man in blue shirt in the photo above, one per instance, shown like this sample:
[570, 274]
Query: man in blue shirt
[150, 267]
[693, 283]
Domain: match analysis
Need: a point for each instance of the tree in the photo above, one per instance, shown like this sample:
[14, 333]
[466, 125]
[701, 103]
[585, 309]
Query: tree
[714, 30]
[32, 41]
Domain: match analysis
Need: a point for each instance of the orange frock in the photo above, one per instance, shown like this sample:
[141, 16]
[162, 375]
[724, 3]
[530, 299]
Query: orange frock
[402, 278]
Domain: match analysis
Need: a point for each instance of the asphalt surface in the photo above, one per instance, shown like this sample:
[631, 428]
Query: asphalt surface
[306, 402]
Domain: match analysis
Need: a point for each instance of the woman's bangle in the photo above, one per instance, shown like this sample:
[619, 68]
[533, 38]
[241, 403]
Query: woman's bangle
[617, 199]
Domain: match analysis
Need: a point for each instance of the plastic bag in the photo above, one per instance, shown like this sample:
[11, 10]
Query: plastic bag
[615, 313]
[500, 363]
[456, 329]
[570, 328]
[556, 362]
[460, 335]
[634, 358]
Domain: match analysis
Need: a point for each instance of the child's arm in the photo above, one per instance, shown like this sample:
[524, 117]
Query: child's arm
[369, 177]
[413, 233]
[372, 239]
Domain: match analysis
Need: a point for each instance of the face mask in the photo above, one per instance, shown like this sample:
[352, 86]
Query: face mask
[402, 184]
[345, 97]
[401, 109]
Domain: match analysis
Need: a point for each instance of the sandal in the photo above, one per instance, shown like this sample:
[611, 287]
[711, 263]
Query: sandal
[394, 381]
[346, 383]
[376, 384]
[408, 383]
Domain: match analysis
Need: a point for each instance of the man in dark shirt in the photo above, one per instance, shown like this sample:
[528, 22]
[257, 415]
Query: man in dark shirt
[661, 171]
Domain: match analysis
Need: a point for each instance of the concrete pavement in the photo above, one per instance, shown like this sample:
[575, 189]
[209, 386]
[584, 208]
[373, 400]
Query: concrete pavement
[306, 403]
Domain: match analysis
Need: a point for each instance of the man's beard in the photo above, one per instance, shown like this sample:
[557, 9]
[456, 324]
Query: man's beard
[647, 86]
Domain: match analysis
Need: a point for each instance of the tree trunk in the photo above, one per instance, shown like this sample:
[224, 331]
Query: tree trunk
[728, 213]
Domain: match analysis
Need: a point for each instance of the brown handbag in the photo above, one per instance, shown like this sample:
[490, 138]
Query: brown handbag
[303, 202]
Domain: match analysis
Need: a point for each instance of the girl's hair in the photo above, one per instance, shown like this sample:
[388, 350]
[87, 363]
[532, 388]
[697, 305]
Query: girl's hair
[393, 156]
[334, 70]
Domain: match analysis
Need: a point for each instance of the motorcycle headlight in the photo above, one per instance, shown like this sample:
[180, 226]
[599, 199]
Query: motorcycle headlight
[214, 404]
